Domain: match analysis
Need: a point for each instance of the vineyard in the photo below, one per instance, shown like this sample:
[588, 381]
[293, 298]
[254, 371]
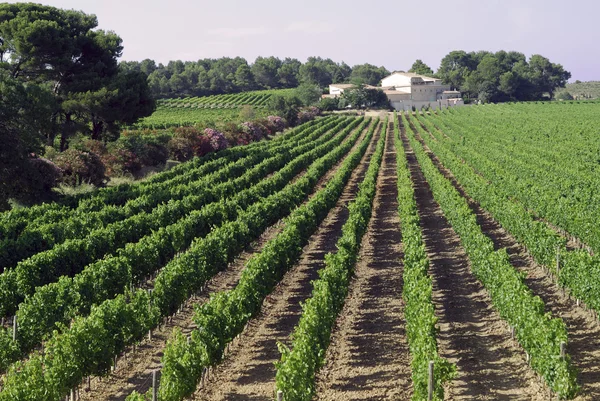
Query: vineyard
[208, 110]
[165, 117]
[231, 100]
[448, 255]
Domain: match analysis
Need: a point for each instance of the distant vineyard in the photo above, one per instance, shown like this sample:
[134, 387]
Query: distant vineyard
[227, 101]
[208, 110]
[165, 117]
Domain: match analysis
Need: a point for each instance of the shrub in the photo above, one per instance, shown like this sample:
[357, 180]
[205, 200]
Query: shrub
[275, 124]
[79, 166]
[308, 114]
[329, 104]
[120, 161]
[188, 142]
[149, 146]
[154, 154]
[181, 148]
[216, 138]
[36, 180]
[254, 130]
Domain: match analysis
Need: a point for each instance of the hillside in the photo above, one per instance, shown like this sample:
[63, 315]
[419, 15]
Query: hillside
[584, 90]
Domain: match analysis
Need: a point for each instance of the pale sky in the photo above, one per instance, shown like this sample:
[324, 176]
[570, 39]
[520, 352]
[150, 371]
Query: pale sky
[380, 32]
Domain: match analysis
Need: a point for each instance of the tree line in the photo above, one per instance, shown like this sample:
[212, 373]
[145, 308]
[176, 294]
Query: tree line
[229, 75]
[489, 77]
[502, 76]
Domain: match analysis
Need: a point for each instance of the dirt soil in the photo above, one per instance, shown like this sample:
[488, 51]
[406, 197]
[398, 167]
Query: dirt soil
[135, 369]
[490, 365]
[368, 358]
[583, 329]
[248, 372]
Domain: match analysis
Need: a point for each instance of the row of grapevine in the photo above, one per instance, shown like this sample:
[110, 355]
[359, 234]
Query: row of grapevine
[172, 117]
[71, 256]
[12, 223]
[145, 210]
[88, 346]
[295, 375]
[252, 98]
[421, 330]
[550, 161]
[578, 270]
[226, 314]
[59, 302]
[539, 334]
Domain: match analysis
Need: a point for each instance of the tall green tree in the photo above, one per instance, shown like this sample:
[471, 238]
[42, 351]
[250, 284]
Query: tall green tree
[124, 100]
[288, 72]
[286, 107]
[419, 67]
[456, 67]
[360, 97]
[368, 74]
[45, 45]
[265, 71]
[25, 112]
[244, 79]
[502, 76]
[308, 94]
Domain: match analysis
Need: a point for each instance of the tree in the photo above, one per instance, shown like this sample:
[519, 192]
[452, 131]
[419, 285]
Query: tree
[265, 71]
[288, 72]
[25, 112]
[502, 76]
[419, 67]
[455, 68]
[286, 107]
[360, 97]
[368, 74]
[244, 79]
[308, 94]
[126, 99]
[547, 76]
[62, 48]
[317, 71]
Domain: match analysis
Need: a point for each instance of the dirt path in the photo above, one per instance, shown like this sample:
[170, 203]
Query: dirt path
[368, 358]
[583, 329]
[134, 371]
[490, 366]
[248, 373]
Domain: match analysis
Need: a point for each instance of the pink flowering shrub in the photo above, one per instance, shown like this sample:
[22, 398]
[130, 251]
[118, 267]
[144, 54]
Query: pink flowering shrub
[216, 138]
[308, 114]
[255, 130]
[275, 124]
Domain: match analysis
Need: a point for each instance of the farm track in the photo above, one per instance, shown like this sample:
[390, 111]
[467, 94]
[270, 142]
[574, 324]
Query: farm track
[248, 372]
[368, 357]
[134, 371]
[490, 366]
[582, 328]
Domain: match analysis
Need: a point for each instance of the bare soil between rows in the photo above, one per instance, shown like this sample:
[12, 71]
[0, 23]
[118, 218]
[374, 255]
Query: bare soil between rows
[368, 358]
[582, 328]
[248, 372]
[490, 366]
[135, 369]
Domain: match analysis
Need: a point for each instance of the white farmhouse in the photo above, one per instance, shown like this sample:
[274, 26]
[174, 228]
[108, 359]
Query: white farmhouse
[408, 91]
